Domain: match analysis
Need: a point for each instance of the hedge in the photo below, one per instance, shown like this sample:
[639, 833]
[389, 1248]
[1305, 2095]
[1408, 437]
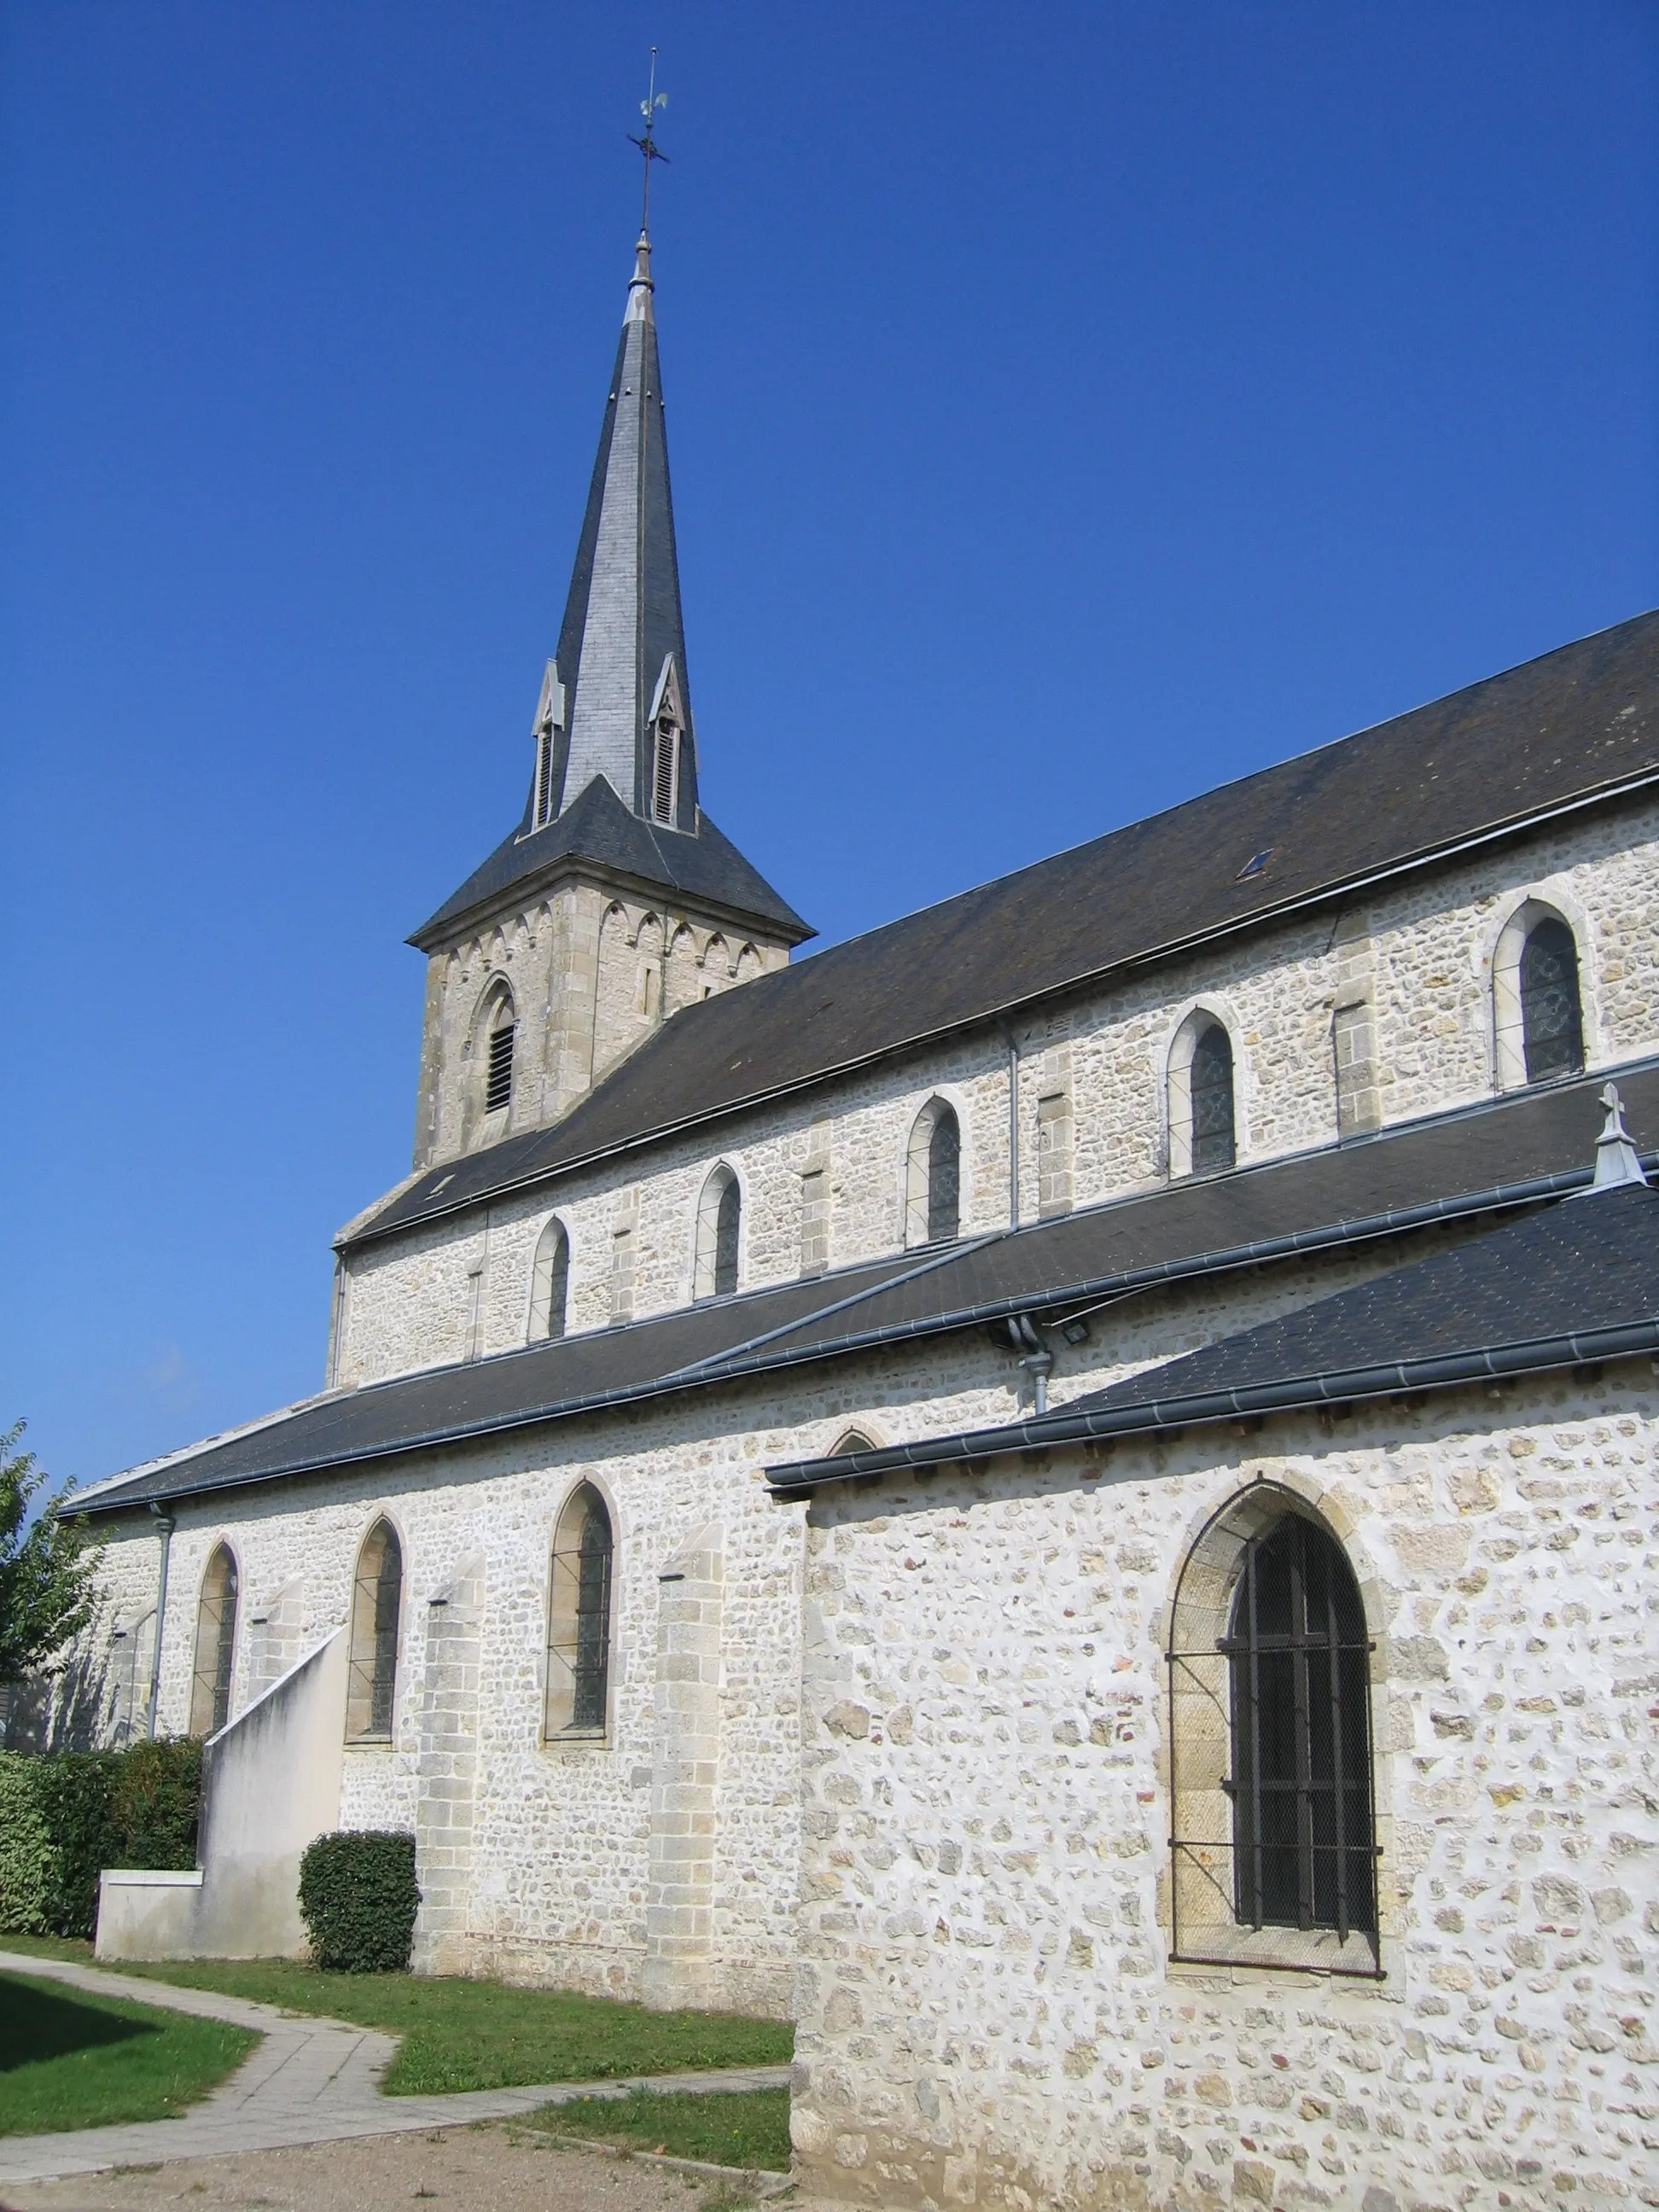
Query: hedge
[358, 1899]
[65, 1816]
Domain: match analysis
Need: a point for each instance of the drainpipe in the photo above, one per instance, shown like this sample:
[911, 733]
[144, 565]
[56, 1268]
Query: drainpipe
[1012, 1042]
[164, 1523]
[1037, 1362]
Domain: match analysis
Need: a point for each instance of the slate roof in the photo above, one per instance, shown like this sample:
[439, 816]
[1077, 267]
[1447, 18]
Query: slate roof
[1581, 721]
[1574, 1283]
[1502, 1155]
[597, 827]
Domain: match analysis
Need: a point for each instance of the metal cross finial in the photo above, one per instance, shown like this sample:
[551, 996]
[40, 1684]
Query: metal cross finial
[654, 100]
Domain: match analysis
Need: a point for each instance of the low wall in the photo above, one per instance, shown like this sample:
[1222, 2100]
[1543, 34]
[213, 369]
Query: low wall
[271, 1782]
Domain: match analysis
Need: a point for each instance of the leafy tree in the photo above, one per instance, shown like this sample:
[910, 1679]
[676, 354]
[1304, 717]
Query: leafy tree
[48, 1571]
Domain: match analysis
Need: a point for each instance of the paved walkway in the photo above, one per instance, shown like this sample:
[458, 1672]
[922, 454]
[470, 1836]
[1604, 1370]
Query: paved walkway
[308, 2082]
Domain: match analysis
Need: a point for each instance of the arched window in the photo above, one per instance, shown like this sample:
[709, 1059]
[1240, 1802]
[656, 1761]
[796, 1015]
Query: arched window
[1538, 1024]
[719, 1219]
[550, 1282]
[933, 1176]
[1301, 1782]
[1203, 1135]
[1551, 1020]
[1272, 1818]
[376, 1604]
[854, 1441]
[498, 1067]
[215, 1645]
[578, 1619]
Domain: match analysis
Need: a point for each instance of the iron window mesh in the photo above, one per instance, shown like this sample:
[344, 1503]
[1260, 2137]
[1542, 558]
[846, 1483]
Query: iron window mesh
[1551, 1016]
[1273, 1842]
[579, 1620]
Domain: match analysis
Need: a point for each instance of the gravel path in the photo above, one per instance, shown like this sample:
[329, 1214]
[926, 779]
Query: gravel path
[489, 2169]
[308, 2082]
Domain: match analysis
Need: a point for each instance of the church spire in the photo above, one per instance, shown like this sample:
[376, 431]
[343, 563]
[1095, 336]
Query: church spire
[616, 702]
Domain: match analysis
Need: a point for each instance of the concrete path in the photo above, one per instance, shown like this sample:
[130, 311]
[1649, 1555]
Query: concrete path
[308, 2082]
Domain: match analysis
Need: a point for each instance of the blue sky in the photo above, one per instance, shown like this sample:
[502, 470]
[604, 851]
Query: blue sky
[1070, 407]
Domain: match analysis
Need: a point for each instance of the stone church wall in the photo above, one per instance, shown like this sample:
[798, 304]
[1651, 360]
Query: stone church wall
[988, 2012]
[545, 1863]
[1418, 957]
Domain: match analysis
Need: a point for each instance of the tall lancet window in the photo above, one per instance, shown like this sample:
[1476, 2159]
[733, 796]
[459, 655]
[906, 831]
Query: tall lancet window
[550, 1284]
[215, 1645]
[1550, 1017]
[665, 768]
[578, 1619]
[720, 1219]
[933, 1176]
[372, 1669]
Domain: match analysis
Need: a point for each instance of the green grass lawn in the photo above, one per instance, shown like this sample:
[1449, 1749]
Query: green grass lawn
[746, 2128]
[460, 2034]
[68, 2060]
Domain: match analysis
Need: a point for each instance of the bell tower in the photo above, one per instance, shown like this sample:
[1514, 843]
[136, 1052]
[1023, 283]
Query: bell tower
[614, 903]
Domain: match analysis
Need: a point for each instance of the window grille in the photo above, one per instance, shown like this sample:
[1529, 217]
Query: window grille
[1272, 1829]
[1550, 1017]
[1211, 1079]
[376, 1604]
[664, 769]
[1301, 1784]
[498, 1080]
[579, 1620]
[215, 1645]
[550, 1288]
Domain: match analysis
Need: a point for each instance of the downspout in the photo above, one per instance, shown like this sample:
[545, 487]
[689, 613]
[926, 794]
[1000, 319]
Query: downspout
[1012, 1042]
[1038, 1360]
[164, 1523]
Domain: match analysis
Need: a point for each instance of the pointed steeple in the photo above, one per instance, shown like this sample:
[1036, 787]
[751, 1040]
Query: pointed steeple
[616, 702]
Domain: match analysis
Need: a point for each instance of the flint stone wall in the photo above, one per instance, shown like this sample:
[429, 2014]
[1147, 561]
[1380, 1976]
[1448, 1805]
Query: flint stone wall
[988, 2014]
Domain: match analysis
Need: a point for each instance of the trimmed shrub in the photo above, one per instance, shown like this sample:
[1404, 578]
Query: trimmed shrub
[64, 1816]
[156, 1800]
[358, 1899]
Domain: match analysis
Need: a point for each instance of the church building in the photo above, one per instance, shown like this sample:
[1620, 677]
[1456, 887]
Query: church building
[1063, 1492]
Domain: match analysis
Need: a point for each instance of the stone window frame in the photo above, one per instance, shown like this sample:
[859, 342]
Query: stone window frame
[913, 1189]
[582, 1743]
[723, 1173]
[481, 1127]
[1197, 1750]
[533, 1332]
[1504, 941]
[1193, 1017]
[363, 1739]
[209, 1688]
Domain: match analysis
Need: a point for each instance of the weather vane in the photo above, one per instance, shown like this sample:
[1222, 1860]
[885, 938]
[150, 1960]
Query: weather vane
[654, 100]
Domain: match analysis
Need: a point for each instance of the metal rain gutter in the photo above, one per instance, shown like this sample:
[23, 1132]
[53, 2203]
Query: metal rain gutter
[1319, 895]
[753, 1357]
[1577, 1349]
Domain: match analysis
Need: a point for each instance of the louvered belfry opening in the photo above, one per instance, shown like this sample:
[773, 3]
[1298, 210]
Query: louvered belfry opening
[498, 1078]
[665, 769]
[1298, 1656]
[1211, 1081]
[1551, 1014]
[544, 779]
